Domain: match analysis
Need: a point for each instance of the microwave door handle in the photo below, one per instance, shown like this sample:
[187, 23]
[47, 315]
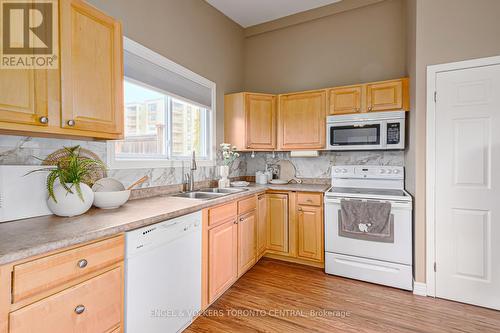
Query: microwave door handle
[383, 134]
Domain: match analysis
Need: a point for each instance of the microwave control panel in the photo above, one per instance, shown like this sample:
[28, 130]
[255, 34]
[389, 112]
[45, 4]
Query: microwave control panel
[393, 133]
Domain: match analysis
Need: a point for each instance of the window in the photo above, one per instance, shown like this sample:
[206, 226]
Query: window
[169, 113]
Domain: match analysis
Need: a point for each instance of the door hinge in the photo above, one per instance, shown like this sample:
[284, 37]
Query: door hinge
[435, 266]
[435, 96]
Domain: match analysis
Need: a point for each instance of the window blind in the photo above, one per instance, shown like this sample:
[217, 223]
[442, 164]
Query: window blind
[143, 70]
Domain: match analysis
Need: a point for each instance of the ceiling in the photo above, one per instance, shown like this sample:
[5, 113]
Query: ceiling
[251, 12]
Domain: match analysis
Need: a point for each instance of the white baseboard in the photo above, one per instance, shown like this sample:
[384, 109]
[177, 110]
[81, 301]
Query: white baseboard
[419, 288]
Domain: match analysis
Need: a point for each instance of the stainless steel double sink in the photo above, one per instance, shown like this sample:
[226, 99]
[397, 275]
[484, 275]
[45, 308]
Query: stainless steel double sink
[209, 193]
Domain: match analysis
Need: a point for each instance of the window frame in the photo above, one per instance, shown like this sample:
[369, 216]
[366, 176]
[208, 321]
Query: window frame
[147, 163]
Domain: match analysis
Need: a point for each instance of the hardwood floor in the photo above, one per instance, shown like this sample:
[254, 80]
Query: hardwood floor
[275, 296]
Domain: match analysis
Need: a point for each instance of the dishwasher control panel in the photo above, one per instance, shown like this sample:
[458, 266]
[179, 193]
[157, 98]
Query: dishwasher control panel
[151, 236]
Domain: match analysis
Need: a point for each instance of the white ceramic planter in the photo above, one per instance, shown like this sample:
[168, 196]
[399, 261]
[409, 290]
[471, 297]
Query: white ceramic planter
[70, 204]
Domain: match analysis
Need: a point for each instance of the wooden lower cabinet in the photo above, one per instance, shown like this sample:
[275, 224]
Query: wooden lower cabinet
[262, 222]
[310, 232]
[91, 306]
[77, 289]
[246, 242]
[222, 258]
[277, 234]
[281, 225]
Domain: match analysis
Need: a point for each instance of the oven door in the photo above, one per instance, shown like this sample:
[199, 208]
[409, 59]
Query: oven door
[356, 135]
[399, 251]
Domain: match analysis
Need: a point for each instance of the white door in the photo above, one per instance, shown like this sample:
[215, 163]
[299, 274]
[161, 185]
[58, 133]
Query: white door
[468, 186]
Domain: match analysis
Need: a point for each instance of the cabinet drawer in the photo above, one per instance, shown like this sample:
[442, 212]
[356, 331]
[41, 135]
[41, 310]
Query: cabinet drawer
[45, 273]
[246, 205]
[222, 213]
[311, 199]
[99, 299]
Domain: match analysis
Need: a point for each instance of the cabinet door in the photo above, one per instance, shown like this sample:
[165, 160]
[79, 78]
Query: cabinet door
[99, 301]
[310, 232]
[246, 242]
[345, 100]
[260, 121]
[91, 69]
[277, 234]
[262, 219]
[302, 120]
[222, 258]
[23, 96]
[386, 96]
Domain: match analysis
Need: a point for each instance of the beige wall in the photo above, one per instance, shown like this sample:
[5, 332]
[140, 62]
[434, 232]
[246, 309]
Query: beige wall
[189, 32]
[446, 31]
[364, 44]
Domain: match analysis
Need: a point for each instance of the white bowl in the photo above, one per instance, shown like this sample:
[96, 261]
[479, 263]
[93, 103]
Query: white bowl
[278, 181]
[108, 185]
[110, 200]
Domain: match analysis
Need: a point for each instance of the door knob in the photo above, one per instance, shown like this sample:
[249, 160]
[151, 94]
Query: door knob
[71, 122]
[82, 263]
[44, 120]
[79, 309]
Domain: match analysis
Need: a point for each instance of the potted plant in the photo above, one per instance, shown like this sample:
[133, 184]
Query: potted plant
[69, 195]
[228, 156]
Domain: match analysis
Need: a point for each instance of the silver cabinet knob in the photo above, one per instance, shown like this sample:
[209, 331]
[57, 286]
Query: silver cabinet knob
[82, 263]
[299, 209]
[79, 309]
[44, 120]
[71, 122]
[370, 108]
[235, 221]
[242, 219]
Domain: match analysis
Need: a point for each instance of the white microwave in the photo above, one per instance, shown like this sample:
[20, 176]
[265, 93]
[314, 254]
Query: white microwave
[366, 131]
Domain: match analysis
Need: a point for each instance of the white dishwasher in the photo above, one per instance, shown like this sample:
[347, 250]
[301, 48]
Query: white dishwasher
[163, 275]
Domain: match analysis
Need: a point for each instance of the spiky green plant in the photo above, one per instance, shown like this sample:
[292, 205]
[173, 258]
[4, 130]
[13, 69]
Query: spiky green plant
[72, 170]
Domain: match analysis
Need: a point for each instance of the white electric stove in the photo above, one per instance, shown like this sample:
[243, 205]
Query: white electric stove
[387, 263]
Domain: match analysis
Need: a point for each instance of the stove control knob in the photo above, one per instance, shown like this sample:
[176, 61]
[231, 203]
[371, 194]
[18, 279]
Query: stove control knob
[396, 171]
[389, 171]
[382, 171]
[337, 170]
[344, 170]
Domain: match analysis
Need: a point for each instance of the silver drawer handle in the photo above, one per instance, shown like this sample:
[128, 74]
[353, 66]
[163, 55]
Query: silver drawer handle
[79, 309]
[82, 263]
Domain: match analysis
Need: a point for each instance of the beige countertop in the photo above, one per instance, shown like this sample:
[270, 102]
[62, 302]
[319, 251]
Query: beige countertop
[29, 237]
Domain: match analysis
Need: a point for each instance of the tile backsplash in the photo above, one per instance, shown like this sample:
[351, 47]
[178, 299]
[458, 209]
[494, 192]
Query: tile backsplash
[320, 167]
[20, 150]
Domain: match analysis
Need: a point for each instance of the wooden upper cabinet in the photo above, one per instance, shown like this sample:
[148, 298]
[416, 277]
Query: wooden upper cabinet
[91, 69]
[345, 100]
[277, 233]
[310, 232]
[260, 121]
[23, 96]
[302, 120]
[250, 121]
[387, 95]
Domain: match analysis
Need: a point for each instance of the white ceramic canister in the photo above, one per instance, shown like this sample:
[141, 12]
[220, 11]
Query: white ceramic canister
[260, 178]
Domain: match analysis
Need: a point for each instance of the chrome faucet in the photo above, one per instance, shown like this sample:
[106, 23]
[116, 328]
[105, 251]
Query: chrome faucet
[190, 175]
